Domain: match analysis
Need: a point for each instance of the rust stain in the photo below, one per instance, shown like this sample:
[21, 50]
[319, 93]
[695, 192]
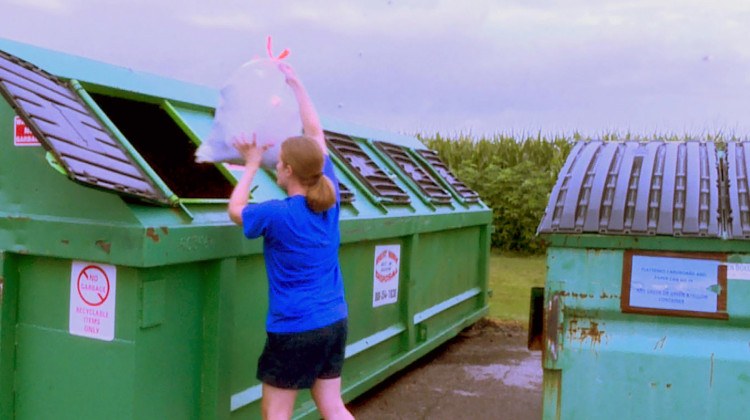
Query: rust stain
[576, 295]
[165, 230]
[582, 333]
[593, 333]
[669, 386]
[65, 242]
[21, 218]
[151, 233]
[106, 246]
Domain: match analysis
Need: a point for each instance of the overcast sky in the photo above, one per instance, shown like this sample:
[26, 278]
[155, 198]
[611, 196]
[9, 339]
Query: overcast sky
[449, 66]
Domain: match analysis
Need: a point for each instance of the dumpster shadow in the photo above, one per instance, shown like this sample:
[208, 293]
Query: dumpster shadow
[485, 372]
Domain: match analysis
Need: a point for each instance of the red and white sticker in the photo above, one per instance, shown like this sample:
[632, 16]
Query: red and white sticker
[386, 274]
[92, 300]
[22, 136]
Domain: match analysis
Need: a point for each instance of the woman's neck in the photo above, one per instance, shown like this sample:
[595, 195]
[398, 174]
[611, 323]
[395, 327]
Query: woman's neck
[295, 188]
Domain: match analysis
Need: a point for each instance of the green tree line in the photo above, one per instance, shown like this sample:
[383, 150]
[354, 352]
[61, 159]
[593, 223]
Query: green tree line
[514, 176]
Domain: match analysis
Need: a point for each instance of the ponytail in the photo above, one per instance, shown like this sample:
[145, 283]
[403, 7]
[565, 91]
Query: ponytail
[321, 196]
[306, 159]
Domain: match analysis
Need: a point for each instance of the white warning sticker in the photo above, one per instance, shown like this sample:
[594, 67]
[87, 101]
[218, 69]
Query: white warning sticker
[22, 136]
[385, 279]
[92, 300]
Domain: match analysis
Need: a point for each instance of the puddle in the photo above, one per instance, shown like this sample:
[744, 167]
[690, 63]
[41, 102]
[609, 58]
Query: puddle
[526, 373]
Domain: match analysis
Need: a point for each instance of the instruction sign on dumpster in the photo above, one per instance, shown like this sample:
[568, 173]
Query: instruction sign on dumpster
[92, 300]
[385, 281]
[674, 284]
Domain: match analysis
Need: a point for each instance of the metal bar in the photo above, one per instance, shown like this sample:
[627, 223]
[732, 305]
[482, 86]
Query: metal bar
[440, 307]
[246, 397]
[374, 339]
[177, 118]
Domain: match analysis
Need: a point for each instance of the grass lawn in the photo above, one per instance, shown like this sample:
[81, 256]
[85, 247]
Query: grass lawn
[511, 278]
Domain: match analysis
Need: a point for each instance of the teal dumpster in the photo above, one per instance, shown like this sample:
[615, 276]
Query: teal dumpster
[645, 312]
[128, 293]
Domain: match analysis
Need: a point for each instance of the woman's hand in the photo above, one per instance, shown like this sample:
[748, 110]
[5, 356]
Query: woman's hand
[252, 155]
[250, 151]
[291, 76]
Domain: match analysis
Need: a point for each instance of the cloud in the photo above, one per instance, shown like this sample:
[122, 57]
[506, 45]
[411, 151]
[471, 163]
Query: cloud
[242, 21]
[50, 6]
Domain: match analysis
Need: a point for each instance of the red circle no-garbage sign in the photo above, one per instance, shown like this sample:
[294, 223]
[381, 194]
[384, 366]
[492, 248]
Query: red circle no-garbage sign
[93, 285]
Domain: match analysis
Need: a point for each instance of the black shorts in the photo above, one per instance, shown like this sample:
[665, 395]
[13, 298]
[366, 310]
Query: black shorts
[296, 360]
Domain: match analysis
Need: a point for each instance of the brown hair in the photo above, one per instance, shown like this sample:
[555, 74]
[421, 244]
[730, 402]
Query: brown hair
[306, 159]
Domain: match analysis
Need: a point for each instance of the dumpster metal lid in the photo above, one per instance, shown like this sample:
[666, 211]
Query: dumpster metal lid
[633, 188]
[441, 168]
[365, 169]
[421, 178]
[70, 130]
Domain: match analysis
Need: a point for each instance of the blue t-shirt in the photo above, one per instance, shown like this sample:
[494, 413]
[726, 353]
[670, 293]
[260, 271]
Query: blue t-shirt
[305, 286]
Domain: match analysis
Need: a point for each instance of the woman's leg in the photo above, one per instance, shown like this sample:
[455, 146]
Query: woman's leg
[277, 403]
[327, 396]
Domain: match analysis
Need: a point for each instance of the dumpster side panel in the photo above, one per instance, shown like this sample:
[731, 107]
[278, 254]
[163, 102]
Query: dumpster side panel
[8, 316]
[637, 365]
[249, 305]
[448, 263]
[169, 342]
[64, 374]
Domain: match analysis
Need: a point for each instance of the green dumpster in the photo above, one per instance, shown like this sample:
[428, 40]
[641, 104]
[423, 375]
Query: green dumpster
[645, 312]
[128, 293]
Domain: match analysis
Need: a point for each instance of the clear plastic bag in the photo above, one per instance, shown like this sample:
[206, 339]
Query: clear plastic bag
[255, 99]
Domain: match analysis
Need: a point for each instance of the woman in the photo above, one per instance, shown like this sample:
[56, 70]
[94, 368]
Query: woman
[306, 325]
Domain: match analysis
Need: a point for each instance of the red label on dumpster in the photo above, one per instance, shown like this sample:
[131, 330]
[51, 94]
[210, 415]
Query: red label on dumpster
[92, 300]
[22, 136]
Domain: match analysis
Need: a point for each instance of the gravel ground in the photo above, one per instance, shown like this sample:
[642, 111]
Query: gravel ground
[485, 372]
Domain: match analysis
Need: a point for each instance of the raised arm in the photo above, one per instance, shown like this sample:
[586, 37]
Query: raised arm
[310, 122]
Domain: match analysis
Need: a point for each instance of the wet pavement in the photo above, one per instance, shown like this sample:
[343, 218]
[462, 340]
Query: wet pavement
[486, 372]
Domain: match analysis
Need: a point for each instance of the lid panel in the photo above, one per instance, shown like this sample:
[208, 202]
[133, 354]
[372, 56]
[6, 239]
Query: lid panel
[66, 127]
[632, 188]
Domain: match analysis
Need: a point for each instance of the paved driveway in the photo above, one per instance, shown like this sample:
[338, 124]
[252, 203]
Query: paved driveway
[484, 373]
